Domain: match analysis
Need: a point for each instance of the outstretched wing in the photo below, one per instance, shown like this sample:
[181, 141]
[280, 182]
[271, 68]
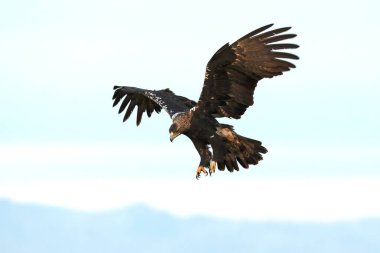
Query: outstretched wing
[234, 70]
[149, 101]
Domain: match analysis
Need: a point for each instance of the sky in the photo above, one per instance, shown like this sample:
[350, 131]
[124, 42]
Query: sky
[60, 60]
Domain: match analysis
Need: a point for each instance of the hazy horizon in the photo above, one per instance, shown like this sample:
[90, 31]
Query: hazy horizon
[36, 228]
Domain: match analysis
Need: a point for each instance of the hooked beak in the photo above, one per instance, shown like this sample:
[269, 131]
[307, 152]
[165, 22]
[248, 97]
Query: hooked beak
[173, 136]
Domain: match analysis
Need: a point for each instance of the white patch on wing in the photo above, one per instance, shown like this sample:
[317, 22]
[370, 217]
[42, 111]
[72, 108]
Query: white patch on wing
[207, 72]
[159, 101]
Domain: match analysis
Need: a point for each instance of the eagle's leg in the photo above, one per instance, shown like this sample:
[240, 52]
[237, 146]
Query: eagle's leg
[205, 155]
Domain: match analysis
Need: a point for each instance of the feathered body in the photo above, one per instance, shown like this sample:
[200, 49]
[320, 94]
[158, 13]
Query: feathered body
[230, 80]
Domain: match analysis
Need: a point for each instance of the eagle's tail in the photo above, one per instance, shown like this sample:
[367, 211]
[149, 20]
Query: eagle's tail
[237, 149]
[251, 151]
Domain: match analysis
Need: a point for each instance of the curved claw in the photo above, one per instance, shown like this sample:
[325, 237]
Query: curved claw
[199, 170]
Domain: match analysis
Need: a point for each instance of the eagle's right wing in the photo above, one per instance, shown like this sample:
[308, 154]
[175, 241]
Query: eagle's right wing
[149, 101]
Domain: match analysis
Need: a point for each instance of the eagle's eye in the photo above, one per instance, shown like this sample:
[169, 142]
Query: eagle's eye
[173, 128]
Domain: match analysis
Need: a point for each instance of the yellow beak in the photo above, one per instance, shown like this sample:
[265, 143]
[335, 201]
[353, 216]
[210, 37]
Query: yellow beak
[173, 136]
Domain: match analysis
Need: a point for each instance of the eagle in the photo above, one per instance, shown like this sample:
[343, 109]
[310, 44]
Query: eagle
[231, 77]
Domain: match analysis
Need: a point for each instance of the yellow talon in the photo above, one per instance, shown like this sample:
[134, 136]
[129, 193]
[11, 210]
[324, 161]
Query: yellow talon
[212, 167]
[199, 170]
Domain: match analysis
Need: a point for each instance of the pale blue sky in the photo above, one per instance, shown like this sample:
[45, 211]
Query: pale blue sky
[60, 60]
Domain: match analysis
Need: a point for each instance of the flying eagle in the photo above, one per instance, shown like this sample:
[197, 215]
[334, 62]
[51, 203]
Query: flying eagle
[230, 81]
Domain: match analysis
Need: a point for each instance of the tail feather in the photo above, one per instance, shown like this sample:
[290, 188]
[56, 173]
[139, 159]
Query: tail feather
[251, 151]
[234, 149]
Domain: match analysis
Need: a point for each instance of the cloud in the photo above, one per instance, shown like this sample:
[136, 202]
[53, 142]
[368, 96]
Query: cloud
[286, 199]
[51, 161]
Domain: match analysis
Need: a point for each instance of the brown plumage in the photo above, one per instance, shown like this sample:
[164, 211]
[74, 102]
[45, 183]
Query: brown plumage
[231, 77]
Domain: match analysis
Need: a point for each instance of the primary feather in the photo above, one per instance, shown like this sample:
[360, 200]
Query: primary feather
[149, 101]
[233, 72]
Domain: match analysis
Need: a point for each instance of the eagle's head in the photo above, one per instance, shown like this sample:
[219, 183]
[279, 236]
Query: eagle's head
[181, 123]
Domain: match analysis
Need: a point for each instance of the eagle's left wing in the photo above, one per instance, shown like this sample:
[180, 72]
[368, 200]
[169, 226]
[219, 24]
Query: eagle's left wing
[149, 101]
[234, 70]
